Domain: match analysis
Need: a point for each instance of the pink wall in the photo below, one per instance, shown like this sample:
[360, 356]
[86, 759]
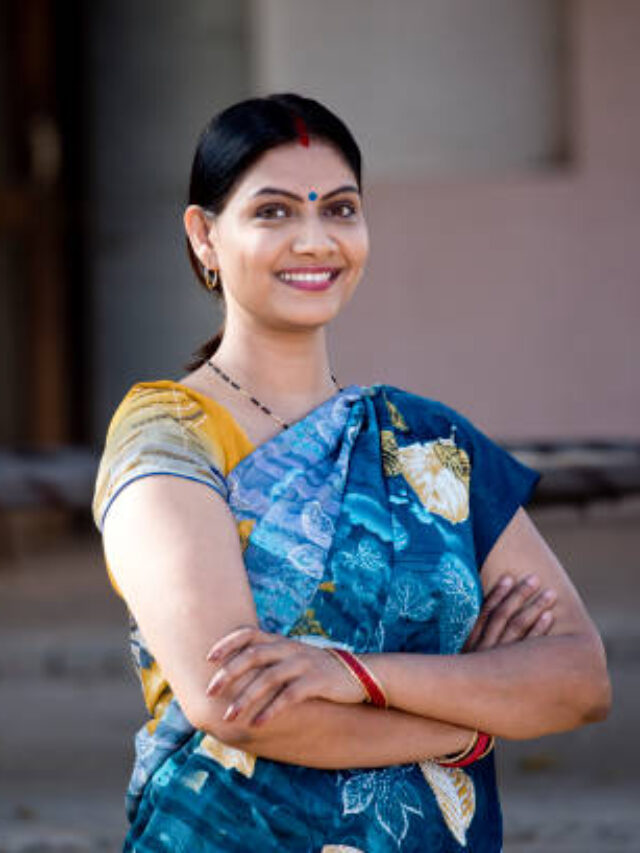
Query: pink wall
[517, 299]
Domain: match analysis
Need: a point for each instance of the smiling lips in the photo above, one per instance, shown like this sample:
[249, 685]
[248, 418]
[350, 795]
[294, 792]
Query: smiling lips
[309, 278]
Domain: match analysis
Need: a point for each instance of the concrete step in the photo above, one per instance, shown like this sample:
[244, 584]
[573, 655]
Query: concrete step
[574, 819]
[66, 652]
[578, 820]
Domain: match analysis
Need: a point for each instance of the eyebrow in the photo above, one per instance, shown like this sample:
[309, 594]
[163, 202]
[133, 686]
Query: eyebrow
[275, 191]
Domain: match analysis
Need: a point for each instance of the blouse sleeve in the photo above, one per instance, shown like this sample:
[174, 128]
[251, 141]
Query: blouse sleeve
[156, 431]
[500, 484]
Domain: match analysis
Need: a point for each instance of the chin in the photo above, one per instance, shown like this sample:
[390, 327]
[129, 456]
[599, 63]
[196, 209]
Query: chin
[320, 314]
[311, 321]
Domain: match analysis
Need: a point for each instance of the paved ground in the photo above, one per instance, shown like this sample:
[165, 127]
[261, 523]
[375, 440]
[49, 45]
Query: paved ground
[70, 704]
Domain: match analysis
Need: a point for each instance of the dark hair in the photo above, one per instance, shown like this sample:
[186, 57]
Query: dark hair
[235, 138]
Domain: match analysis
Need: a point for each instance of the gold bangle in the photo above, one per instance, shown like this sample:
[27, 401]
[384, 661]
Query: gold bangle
[459, 756]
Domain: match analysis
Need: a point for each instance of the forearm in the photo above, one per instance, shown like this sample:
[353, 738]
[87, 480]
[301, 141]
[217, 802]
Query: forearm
[328, 735]
[523, 690]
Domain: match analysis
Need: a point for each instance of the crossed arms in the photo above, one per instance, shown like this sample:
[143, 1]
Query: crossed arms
[183, 578]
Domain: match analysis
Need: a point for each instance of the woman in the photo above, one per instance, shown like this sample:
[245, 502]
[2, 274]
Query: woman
[264, 515]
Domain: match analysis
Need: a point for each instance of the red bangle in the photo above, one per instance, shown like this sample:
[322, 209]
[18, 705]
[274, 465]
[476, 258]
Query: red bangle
[483, 746]
[372, 687]
[490, 744]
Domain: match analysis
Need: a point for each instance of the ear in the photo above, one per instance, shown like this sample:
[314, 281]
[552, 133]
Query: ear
[200, 230]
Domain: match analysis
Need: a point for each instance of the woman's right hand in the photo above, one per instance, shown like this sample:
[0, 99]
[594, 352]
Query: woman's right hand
[512, 612]
[284, 671]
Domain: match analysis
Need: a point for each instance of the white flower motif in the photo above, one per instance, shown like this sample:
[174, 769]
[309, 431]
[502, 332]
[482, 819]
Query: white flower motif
[368, 556]
[461, 599]
[388, 793]
[409, 600]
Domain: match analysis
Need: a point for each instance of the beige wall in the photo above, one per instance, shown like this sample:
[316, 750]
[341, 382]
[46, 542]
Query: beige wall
[514, 299]
[429, 87]
[518, 300]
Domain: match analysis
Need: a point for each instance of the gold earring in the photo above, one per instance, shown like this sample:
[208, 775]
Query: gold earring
[211, 282]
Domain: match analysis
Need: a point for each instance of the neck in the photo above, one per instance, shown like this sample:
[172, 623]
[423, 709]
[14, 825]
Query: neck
[287, 369]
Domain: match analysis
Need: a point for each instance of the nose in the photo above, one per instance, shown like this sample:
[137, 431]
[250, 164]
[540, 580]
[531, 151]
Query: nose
[313, 235]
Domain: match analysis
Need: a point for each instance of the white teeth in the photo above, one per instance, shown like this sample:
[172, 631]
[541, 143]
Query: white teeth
[302, 276]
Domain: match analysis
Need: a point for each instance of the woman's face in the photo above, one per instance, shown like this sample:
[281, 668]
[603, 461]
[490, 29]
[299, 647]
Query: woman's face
[292, 241]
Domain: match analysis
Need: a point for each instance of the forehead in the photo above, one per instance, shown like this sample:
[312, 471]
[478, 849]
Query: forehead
[297, 168]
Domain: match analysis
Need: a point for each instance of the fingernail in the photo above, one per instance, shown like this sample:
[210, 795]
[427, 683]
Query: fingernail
[231, 713]
[549, 595]
[532, 581]
[506, 581]
[213, 686]
[545, 617]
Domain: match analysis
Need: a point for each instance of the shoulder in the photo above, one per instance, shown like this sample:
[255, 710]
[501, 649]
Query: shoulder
[432, 440]
[162, 398]
[428, 421]
[421, 420]
[424, 416]
[172, 412]
[163, 427]
[147, 402]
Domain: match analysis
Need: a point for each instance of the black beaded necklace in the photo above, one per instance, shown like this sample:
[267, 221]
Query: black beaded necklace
[284, 424]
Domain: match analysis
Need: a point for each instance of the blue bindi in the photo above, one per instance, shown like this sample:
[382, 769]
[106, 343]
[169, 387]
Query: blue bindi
[313, 195]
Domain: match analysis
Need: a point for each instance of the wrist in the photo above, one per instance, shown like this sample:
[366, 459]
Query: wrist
[478, 747]
[377, 664]
[360, 671]
[463, 740]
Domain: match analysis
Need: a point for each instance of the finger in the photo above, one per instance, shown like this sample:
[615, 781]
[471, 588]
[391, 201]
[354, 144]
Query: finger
[235, 640]
[520, 624]
[510, 605]
[497, 596]
[494, 597]
[543, 625]
[251, 657]
[263, 689]
[289, 696]
[498, 592]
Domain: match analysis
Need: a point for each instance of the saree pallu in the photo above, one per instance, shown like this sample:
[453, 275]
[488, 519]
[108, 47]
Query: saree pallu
[364, 526]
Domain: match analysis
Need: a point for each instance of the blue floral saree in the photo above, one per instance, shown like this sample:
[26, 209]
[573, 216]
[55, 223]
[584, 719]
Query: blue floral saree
[364, 526]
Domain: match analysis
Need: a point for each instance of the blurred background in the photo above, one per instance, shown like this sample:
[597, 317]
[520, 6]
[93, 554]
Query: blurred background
[501, 144]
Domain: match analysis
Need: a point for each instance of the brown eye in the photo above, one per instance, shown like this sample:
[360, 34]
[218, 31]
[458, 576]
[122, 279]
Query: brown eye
[343, 210]
[271, 211]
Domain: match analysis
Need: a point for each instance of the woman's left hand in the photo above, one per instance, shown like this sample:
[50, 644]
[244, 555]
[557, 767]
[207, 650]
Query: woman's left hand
[287, 671]
[512, 612]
